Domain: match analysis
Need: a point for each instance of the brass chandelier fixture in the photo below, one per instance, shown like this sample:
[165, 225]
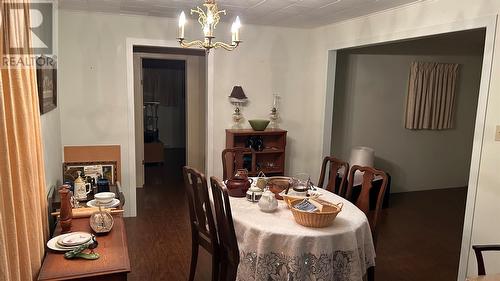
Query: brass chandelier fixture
[208, 21]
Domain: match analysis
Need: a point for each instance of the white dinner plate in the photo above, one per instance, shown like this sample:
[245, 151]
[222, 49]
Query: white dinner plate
[74, 239]
[52, 244]
[112, 204]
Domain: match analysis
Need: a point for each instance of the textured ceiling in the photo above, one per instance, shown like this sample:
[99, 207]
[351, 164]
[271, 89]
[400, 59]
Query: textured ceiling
[291, 13]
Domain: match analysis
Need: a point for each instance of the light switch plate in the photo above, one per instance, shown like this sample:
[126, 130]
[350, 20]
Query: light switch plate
[497, 134]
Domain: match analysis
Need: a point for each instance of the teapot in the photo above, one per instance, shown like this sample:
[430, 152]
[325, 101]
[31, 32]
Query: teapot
[80, 188]
[268, 202]
[238, 185]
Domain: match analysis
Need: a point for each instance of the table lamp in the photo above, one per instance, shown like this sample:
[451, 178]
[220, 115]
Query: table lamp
[238, 99]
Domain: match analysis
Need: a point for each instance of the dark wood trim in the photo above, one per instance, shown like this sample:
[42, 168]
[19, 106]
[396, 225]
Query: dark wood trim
[169, 50]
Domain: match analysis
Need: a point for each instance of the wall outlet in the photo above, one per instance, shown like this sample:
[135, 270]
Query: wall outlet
[497, 134]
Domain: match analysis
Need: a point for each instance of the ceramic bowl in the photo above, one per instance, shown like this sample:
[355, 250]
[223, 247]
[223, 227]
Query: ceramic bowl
[259, 124]
[104, 197]
[278, 184]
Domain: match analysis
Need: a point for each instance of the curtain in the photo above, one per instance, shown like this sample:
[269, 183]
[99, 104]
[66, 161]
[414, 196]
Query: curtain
[430, 103]
[23, 205]
[164, 85]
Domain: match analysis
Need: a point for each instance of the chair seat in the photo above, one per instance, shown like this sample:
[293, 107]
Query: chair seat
[488, 277]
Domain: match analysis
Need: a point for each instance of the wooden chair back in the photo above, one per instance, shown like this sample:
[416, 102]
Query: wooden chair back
[363, 200]
[230, 256]
[333, 185]
[232, 160]
[200, 210]
[478, 250]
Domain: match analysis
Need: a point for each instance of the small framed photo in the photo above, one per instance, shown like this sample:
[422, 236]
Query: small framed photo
[47, 88]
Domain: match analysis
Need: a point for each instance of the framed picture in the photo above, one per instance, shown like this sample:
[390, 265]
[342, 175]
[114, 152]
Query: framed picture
[47, 88]
[107, 169]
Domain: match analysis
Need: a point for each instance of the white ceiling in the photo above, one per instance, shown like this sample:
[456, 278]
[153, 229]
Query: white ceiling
[291, 13]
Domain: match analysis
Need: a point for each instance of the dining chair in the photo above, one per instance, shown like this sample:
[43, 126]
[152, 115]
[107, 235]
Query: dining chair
[333, 184]
[232, 160]
[363, 200]
[203, 231]
[478, 250]
[228, 245]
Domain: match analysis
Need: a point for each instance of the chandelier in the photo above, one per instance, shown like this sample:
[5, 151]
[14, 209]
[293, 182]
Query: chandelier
[208, 21]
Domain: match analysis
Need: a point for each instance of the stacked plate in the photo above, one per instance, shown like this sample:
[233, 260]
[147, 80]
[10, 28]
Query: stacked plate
[113, 203]
[68, 241]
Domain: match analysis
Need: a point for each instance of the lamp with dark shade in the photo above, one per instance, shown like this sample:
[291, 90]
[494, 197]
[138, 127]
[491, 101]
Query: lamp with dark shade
[237, 98]
[237, 95]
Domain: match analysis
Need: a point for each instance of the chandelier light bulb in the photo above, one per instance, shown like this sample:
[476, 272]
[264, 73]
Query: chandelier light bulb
[236, 25]
[182, 19]
[182, 22]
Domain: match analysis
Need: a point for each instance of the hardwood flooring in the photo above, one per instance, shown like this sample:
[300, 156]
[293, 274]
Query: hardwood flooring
[159, 238]
[419, 235]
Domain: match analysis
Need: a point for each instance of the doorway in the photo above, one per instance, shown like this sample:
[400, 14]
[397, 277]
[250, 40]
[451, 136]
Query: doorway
[429, 169]
[170, 117]
[170, 106]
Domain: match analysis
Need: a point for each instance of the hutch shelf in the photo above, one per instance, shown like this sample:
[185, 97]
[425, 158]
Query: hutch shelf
[271, 159]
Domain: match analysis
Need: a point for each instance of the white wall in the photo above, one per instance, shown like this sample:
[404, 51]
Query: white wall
[406, 22]
[93, 90]
[52, 148]
[370, 99]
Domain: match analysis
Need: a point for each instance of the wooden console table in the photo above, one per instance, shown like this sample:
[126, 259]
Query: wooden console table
[113, 264]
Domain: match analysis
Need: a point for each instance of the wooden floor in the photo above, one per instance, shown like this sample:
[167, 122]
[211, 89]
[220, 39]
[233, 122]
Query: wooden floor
[159, 238]
[419, 235]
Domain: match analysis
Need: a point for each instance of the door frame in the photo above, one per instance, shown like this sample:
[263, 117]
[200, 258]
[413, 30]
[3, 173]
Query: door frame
[209, 83]
[490, 24]
[139, 57]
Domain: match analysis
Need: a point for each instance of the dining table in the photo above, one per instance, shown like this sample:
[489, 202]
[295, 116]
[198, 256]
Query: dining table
[273, 246]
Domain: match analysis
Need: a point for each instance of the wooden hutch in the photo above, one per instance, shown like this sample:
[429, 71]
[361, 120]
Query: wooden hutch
[271, 159]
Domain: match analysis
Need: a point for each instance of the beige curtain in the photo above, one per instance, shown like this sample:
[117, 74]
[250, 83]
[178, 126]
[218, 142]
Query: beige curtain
[164, 85]
[430, 103]
[23, 206]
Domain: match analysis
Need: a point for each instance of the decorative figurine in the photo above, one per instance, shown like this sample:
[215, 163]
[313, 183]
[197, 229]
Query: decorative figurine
[78, 252]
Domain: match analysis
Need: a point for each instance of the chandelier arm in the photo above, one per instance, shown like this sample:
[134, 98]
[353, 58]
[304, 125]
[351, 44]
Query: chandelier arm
[197, 43]
[201, 15]
[227, 47]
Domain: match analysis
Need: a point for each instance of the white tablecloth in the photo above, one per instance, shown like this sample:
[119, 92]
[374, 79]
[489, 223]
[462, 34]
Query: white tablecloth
[274, 247]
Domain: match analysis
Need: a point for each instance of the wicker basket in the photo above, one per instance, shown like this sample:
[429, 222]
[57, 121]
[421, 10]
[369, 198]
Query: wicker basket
[315, 219]
[287, 198]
